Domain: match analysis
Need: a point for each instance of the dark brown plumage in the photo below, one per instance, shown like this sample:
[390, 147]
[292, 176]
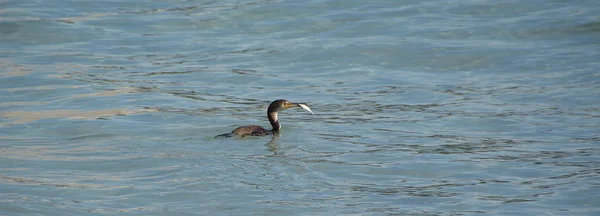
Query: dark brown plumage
[255, 130]
[251, 130]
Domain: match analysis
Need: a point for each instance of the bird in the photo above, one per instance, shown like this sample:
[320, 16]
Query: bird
[272, 111]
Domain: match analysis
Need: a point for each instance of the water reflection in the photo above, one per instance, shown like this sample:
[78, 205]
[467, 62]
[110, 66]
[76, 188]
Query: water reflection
[11, 69]
[272, 145]
[22, 117]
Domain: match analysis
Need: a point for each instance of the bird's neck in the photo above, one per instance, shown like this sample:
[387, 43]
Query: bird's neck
[274, 121]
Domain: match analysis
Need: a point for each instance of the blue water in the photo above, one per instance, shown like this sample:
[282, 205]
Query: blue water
[422, 107]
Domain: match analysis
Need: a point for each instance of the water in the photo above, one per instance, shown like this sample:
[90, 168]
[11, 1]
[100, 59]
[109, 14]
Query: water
[422, 107]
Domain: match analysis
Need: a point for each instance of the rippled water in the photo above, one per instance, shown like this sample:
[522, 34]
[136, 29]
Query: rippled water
[422, 107]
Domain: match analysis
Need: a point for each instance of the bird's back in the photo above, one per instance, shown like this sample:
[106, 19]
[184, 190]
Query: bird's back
[251, 130]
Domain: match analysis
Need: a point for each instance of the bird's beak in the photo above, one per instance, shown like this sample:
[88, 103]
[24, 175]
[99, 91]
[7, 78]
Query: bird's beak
[304, 106]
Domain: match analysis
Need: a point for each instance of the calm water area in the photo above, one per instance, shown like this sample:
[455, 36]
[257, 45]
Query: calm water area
[421, 107]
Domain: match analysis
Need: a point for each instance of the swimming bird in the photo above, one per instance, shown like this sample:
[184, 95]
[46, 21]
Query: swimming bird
[274, 108]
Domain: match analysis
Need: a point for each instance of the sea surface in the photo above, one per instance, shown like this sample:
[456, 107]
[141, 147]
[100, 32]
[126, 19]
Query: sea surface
[421, 107]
